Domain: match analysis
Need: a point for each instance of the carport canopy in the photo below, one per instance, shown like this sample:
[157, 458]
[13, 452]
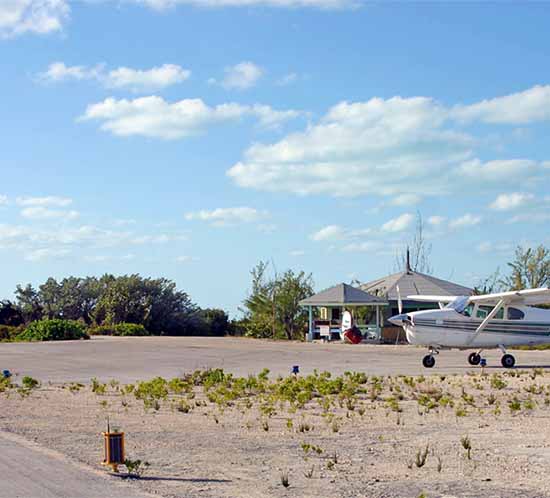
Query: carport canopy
[344, 296]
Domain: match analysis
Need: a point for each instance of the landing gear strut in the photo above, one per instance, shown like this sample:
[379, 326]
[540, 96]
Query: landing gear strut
[474, 359]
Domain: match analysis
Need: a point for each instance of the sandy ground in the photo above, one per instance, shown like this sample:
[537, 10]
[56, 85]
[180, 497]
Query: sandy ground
[128, 359]
[368, 448]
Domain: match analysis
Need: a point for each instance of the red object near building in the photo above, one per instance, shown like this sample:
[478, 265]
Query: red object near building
[353, 335]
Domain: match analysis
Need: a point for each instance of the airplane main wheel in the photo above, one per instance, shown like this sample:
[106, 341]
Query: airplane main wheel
[508, 361]
[474, 359]
[428, 361]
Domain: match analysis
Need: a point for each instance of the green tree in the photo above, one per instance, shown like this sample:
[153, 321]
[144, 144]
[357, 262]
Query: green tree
[28, 301]
[529, 270]
[272, 309]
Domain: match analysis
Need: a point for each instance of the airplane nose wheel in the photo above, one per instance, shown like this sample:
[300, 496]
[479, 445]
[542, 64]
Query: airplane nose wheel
[428, 361]
[508, 361]
[474, 359]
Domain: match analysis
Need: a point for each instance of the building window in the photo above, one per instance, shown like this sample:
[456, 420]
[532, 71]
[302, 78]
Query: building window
[336, 314]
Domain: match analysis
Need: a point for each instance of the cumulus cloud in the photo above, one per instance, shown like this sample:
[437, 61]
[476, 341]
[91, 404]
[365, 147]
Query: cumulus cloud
[436, 220]
[4, 200]
[466, 220]
[136, 80]
[398, 224]
[336, 232]
[18, 17]
[242, 75]
[287, 79]
[390, 147]
[514, 200]
[58, 72]
[46, 253]
[49, 201]
[227, 216]
[529, 106]
[44, 213]
[155, 117]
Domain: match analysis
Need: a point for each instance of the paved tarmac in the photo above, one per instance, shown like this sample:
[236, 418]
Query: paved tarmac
[135, 358]
[29, 471]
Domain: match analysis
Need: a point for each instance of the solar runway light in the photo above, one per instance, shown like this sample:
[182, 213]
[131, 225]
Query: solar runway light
[114, 448]
[295, 369]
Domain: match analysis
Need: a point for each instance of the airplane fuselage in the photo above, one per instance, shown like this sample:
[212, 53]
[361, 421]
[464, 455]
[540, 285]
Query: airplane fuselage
[446, 328]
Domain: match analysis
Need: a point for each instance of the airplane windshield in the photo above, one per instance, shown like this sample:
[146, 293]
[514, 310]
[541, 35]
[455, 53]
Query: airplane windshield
[459, 304]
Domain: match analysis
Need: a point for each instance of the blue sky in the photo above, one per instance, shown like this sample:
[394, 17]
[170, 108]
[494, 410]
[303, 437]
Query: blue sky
[192, 138]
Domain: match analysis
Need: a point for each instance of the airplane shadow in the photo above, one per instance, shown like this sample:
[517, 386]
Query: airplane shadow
[516, 367]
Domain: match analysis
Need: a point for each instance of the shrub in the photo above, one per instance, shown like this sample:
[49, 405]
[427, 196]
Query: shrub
[53, 330]
[8, 333]
[120, 329]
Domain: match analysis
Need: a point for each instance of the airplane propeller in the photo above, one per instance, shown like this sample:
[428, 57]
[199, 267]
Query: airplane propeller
[399, 301]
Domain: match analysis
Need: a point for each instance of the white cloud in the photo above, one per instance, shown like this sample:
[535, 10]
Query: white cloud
[154, 117]
[44, 213]
[466, 220]
[155, 78]
[297, 253]
[58, 72]
[242, 76]
[383, 147]
[185, 259]
[227, 216]
[490, 247]
[513, 200]
[436, 220]
[406, 200]
[529, 106]
[388, 147]
[500, 171]
[4, 200]
[336, 232]
[287, 79]
[136, 80]
[368, 246]
[317, 4]
[330, 232]
[46, 253]
[398, 224]
[18, 17]
[49, 201]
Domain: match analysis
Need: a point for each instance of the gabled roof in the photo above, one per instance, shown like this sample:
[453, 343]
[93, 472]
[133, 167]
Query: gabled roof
[411, 283]
[342, 294]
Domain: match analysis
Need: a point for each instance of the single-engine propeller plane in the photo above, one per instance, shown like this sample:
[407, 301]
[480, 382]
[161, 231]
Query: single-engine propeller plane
[478, 322]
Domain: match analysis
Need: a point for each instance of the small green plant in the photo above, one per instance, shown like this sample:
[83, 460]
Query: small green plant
[491, 399]
[308, 474]
[29, 383]
[497, 382]
[514, 404]
[289, 424]
[461, 412]
[98, 387]
[330, 465]
[135, 468]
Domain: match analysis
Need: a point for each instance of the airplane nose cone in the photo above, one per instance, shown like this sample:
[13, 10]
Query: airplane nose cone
[398, 320]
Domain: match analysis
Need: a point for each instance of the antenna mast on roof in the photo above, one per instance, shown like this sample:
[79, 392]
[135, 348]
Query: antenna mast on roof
[408, 268]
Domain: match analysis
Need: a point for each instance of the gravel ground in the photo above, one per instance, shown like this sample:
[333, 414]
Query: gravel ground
[371, 450]
[131, 358]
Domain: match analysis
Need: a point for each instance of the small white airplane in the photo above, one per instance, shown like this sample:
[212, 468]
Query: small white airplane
[478, 322]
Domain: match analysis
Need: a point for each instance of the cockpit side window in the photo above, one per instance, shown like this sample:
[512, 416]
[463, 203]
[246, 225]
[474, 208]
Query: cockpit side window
[483, 311]
[515, 314]
[468, 310]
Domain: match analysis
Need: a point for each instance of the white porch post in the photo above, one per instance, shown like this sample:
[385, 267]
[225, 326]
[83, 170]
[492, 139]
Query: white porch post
[310, 330]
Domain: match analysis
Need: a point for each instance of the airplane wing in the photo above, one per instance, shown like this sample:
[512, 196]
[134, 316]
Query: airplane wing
[431, 299]
[528, 297]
